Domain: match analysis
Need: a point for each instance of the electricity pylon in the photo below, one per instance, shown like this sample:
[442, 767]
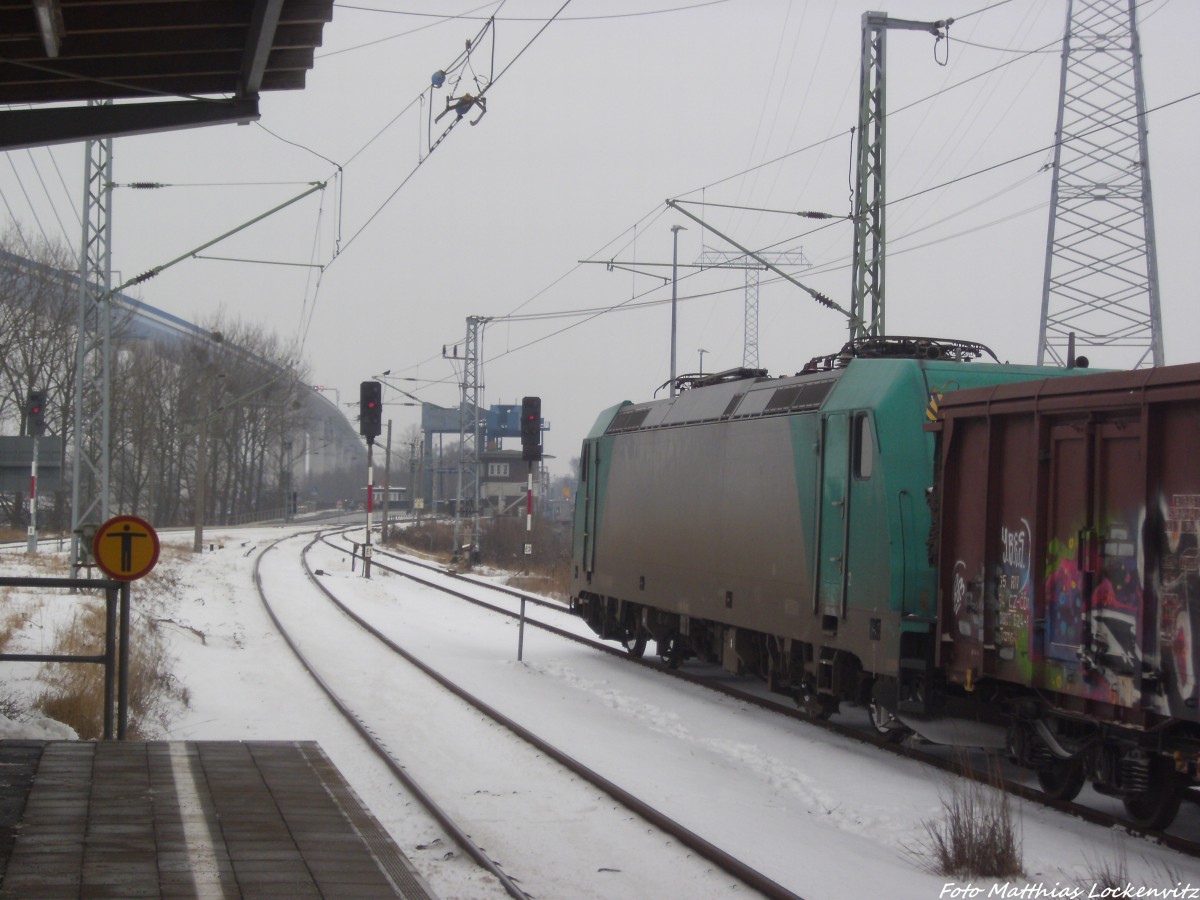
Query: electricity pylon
[1101, 282]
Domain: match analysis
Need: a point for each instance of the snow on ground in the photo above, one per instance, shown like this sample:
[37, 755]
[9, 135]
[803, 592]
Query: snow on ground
[825, 816]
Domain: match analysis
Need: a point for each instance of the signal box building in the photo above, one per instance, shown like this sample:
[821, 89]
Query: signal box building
[503, 482]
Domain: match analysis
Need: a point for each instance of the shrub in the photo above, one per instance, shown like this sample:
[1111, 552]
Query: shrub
[431, 537]
[502, 546]
[976, 836]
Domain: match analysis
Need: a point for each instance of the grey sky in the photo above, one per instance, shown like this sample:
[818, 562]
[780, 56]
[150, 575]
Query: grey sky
[587, 133]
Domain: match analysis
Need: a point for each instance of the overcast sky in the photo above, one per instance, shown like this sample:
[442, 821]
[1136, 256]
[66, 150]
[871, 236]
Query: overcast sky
[591, 125]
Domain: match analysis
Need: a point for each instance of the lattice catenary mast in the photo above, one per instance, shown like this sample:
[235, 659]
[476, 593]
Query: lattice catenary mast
[468, 438]
[90, 491]
[867, 310]
[722, 259]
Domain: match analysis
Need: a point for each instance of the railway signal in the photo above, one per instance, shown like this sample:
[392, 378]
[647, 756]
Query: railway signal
[531, 428]
[370, 410]
[35, 413]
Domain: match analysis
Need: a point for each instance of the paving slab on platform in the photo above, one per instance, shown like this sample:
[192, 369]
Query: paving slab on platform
[195, 819]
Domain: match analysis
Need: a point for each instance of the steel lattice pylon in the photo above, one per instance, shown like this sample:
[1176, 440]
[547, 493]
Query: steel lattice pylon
[867, 278]
[468, 437]
[1101, 281]
[728, 259]
[869, 199]
[90, 489]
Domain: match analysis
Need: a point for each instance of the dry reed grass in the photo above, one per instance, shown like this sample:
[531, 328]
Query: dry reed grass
[74, 692]
[977, 835]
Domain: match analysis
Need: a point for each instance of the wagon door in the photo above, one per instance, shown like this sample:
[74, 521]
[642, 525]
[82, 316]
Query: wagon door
[1094, 604]
[1116, 621]
[965, 513]
[1067, 517]
[834, 510]
[1093, 592]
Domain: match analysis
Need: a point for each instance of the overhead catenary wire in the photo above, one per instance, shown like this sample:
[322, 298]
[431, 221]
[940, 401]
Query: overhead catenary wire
[591, 18]
[596, 312]
[449, 128]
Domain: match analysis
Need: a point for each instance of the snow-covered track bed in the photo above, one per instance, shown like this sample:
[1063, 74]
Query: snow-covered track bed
[527, 802]
[554, 618]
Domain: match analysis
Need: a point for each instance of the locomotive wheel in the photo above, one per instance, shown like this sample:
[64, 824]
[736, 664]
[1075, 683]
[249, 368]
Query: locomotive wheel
[1155, 807]
[814, 705]
[671, 652]
[635, 644]
[1063, 780]
[886, 725]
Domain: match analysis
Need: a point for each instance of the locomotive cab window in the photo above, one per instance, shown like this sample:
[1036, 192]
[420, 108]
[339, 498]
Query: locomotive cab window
[864, 447]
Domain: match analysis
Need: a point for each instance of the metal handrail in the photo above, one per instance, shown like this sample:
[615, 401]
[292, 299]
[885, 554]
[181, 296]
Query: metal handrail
[115, 658]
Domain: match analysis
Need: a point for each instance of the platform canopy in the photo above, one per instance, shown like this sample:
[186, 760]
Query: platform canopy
[165, 64]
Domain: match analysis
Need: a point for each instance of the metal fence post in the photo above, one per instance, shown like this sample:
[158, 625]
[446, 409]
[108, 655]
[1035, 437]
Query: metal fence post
[110, 658]
[123, 674]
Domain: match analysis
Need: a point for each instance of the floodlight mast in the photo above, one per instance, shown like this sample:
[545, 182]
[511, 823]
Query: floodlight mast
[867, 278]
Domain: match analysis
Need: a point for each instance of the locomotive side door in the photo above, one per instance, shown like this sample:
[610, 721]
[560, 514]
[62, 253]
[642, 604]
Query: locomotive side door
[833, 507]
[590, 471]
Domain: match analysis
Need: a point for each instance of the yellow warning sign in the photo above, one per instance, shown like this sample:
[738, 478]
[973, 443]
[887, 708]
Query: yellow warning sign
[125, 547]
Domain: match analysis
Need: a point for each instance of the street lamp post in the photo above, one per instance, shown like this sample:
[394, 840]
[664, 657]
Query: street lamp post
[675, 229]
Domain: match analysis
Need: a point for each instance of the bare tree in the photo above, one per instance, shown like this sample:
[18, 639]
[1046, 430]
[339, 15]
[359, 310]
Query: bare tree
[239, 394]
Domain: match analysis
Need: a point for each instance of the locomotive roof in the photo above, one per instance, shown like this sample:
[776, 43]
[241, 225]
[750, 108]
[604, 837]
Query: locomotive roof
[878, 384]
[729, 400]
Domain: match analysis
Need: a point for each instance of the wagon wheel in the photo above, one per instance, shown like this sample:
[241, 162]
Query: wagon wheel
[1155, 807]
[1063, 780]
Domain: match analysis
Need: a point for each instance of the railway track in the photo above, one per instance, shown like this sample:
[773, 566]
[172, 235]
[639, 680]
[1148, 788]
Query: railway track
[980, 767]
[352, 710]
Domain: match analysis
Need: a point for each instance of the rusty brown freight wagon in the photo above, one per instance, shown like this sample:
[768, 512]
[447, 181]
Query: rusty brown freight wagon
[1067, 514]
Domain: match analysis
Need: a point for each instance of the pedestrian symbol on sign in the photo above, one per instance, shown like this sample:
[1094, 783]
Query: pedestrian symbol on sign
[125, 547]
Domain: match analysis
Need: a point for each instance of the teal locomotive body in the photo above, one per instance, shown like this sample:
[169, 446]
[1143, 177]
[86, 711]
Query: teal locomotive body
[778, 526]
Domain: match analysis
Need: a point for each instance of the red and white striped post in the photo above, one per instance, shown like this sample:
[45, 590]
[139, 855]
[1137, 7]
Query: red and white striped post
[31, 545]
[370, 508]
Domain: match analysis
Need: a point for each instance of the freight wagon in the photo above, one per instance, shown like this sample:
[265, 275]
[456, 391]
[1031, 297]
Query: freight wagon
[1069, 578]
